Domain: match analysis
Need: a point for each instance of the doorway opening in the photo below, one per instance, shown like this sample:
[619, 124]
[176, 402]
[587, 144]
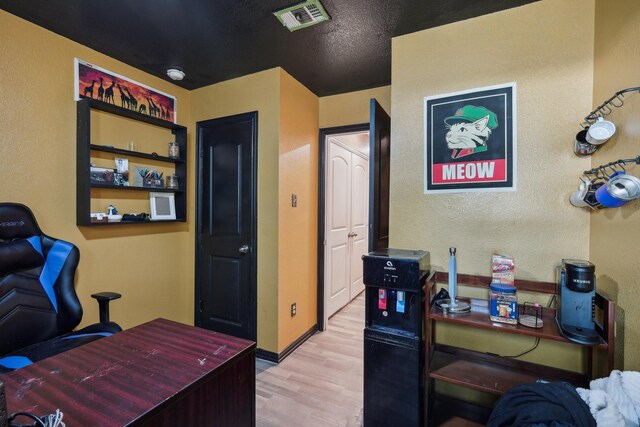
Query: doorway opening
[346, 217]
[377, 136]
[343, 213]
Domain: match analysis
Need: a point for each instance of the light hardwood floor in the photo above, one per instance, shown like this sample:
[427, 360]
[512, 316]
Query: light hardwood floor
[320, 383]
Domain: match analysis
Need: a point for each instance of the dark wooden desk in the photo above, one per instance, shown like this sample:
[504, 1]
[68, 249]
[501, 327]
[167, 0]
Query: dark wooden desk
[160, 373]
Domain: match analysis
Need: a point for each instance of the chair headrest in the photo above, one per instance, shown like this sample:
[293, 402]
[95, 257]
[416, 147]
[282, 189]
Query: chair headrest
[17, 221]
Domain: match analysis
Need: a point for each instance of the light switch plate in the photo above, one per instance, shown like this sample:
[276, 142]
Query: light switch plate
[294, 200]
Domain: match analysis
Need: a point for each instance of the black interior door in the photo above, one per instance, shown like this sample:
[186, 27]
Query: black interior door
[379, 171]
[226, 238]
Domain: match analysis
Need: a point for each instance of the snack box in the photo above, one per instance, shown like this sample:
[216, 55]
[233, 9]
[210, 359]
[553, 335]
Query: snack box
[503, 269]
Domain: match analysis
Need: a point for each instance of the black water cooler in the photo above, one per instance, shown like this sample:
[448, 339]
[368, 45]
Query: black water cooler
[394, 338]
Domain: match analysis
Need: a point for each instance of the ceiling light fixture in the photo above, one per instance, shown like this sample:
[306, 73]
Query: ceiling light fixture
[175, 74]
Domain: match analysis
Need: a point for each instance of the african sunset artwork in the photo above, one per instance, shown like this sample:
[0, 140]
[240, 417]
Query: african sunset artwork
[102, 85]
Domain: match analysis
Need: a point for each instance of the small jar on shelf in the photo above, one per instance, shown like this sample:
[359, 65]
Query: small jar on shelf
[174, 150]
[172, 182]
[503, 303]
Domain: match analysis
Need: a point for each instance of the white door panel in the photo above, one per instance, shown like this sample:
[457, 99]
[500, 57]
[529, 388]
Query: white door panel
[339, 265]
[359, 220]
[340, 170]
[338, 219]
[347, 224]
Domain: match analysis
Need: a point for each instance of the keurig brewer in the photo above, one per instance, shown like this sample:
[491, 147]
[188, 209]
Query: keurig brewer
[575, 311]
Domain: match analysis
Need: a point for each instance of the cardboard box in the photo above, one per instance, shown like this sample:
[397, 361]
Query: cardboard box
[503, 269]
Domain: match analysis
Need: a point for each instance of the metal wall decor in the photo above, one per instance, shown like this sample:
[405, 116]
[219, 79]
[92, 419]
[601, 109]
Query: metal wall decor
[587, 141]
[607, 186]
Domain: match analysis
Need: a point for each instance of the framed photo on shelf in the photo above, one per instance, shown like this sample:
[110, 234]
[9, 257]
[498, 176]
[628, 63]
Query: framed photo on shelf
[101, 175]
[121, 177]
[163, 206]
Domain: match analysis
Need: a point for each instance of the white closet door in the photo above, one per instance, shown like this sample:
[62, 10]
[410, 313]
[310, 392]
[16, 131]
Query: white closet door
[338, 220]
[359, 221]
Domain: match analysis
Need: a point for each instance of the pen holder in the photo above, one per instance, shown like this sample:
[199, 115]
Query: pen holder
[153, 182]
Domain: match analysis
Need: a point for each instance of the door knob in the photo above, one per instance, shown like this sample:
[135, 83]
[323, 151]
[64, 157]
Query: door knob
[352, 234]
[244, 249]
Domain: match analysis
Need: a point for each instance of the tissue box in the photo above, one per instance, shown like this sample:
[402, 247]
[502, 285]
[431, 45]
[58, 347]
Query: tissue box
[503, 269]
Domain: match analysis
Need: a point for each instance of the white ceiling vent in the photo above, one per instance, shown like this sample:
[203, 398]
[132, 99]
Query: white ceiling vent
[302, 15]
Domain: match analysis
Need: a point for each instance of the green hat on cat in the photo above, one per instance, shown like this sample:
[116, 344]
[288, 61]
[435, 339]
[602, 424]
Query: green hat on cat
[471, 113]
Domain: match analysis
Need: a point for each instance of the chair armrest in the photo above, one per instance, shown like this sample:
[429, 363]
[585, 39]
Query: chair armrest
[103, 299]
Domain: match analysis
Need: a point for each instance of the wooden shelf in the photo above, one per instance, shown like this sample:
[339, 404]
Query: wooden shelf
[122, 112]
[479, 318]
[84, 148]
[491, 373]
[138, 154]
[157, 221]
[133, 187]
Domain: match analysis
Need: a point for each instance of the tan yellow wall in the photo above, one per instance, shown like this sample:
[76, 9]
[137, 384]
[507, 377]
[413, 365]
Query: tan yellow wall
[298, 166]
[37, 168]
[546, 48]
[615, 232]
[256, 92]
[353, 107]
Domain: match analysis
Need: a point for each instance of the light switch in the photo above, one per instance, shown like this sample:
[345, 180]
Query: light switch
[294, 200]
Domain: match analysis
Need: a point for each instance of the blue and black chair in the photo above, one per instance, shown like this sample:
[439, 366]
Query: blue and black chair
[39, 307]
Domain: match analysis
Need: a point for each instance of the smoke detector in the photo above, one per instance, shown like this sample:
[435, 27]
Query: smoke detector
[302, 15]
[175, 74]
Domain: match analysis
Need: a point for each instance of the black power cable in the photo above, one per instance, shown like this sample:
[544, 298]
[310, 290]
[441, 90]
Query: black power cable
[38, 421]
[535, 345]
[52, 420]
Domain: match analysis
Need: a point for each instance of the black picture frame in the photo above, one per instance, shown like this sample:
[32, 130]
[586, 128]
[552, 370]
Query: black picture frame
[470, 140]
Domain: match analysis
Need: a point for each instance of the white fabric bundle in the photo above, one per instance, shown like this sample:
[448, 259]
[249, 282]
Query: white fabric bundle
[614, 401]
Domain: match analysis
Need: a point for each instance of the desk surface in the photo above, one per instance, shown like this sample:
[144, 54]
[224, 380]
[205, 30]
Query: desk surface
[124, 377]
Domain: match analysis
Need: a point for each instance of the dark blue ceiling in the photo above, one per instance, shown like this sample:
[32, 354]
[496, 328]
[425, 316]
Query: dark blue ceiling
[216, 40]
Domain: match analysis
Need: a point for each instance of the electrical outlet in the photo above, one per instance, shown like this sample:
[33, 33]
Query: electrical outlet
[293, 309]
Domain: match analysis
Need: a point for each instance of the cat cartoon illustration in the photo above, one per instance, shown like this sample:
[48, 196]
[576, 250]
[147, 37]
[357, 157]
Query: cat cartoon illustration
[469, 129]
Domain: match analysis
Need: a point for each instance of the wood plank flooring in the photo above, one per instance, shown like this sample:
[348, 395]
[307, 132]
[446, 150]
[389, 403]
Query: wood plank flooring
[320, 383]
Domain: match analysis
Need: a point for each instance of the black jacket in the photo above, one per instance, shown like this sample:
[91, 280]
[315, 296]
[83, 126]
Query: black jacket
[541, 404]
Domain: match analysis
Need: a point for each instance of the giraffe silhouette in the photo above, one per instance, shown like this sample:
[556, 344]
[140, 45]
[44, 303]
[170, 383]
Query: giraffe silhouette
[154, 111]
[132, 100]
[108, 93]
[142, 109]
[89, 89]
[124, 99]
[101, 91]
[164, 112]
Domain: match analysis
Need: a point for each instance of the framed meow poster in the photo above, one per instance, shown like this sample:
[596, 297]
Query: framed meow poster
[470, 140]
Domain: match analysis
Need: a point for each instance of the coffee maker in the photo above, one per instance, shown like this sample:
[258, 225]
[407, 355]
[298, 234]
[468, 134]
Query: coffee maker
[575, 309]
